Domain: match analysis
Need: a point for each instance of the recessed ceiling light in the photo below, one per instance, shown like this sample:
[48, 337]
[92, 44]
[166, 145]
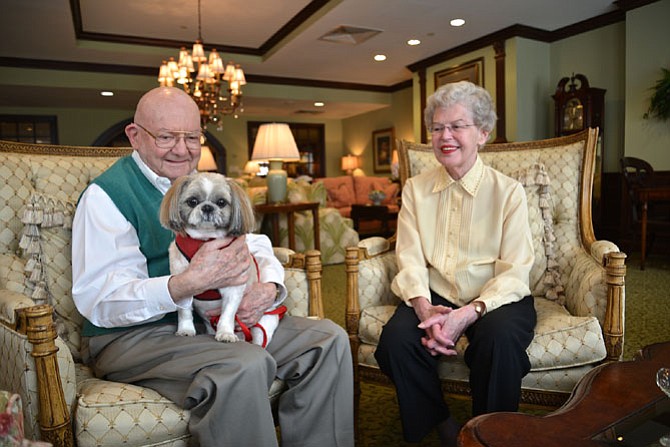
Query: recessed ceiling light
[380, 57]
[319, 104]
[413, 42]
[107, 93]
[457, 22]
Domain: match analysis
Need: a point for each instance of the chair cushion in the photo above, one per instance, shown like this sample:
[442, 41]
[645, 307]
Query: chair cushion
[561, 340]
[111, 413]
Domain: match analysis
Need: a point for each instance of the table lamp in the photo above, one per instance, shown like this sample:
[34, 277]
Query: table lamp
[349, 163]
[275, 143]
[206, 162]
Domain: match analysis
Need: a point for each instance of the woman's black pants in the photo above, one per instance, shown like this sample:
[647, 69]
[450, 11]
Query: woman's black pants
[496, 356]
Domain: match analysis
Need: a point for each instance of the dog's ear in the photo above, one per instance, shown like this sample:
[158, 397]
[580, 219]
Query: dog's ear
[169, 212]
[242, 218]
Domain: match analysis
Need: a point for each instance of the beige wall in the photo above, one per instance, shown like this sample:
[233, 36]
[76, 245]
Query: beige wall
[600, 56]
[357, 131]
[647, 50]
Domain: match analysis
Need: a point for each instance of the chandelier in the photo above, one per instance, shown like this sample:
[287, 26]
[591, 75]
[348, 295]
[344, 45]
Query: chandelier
[216, 90]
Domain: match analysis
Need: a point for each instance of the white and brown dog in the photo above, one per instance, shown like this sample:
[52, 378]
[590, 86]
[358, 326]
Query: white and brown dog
[197, 208]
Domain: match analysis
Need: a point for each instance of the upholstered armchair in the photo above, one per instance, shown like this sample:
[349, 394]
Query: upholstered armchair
[578, 282]
[39, 325]
[335, 231]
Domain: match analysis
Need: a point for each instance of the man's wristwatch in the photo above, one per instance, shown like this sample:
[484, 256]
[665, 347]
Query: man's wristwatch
[480, 308]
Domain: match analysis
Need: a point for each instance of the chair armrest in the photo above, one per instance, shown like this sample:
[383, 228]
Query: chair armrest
[10, 303]
[596, 287]
[54, 415]
[302, 278]
[370, 269]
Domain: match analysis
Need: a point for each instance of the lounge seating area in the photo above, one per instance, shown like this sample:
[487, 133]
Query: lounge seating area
[577, 281]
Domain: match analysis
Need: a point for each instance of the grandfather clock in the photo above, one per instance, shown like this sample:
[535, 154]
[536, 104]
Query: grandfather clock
[577, 107]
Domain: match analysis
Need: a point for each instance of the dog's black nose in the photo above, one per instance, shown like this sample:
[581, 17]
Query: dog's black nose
[207, 209]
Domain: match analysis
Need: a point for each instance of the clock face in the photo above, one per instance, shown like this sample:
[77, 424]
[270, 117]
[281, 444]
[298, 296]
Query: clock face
[573, 115]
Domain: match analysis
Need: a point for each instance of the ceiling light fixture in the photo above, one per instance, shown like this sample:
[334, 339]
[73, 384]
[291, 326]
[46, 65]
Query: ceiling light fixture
[207, 87]
[106, 93]
[457, 22]
[380, 57]
[319, 104]
[413, 42]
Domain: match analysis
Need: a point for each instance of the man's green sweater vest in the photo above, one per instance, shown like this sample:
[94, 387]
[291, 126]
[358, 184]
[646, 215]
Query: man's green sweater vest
[139, 202]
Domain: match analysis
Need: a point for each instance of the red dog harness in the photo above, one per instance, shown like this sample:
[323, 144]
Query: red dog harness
[188, 246]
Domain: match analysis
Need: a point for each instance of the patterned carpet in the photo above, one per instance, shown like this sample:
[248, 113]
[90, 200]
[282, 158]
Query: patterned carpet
[647, 315]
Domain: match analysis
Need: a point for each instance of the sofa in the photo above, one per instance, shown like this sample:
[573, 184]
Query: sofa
[336, 231]
[347, 190]
[40, 328]
[577, 281]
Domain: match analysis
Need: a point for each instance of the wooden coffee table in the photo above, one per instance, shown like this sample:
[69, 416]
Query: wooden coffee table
[613, 400]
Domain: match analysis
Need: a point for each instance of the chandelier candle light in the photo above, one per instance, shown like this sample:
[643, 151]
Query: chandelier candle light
[207, 87]
[275, 143]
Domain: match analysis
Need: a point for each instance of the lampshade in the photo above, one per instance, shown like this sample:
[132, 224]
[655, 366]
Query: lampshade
[275, 142]
[251, 167]
[207, 162]
[349, 163]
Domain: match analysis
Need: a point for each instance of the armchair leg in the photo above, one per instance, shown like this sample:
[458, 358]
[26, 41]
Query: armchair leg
[613, 331]
[53, 413]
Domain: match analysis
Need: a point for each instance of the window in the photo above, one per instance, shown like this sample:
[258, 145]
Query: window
[29, 129]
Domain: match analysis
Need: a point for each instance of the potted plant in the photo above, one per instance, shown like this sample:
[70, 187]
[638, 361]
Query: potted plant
[659, 104]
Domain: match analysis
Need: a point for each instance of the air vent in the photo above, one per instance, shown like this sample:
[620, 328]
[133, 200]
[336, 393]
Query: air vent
[349, 35]
[308, 112]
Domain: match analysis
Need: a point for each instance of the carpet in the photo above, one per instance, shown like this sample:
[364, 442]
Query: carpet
[647, 315]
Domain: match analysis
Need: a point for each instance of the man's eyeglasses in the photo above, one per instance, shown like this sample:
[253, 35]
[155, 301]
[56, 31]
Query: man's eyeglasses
[438, 128]
[168, 139]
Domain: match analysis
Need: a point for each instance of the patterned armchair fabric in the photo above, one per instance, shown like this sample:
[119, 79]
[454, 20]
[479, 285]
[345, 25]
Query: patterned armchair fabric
[335, 231]
[39, 325]
[578, 282]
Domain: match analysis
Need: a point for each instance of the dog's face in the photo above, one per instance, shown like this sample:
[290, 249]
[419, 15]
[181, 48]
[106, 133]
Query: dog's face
[206, 205]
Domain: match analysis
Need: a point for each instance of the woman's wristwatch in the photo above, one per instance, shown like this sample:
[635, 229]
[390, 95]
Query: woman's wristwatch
[480, 308]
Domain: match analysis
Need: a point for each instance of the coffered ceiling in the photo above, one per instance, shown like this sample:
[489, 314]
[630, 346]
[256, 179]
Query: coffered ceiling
[275, 41]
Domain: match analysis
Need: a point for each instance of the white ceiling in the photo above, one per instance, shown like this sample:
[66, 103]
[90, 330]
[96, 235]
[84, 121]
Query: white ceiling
[254, 34]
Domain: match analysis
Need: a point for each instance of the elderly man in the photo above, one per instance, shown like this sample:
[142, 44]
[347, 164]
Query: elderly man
[123, 287]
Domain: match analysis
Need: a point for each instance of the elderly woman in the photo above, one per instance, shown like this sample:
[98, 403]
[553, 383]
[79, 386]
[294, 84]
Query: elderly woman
[464, 253]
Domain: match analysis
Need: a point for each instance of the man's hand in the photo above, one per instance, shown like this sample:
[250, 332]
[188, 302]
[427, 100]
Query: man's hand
[258, 298]
[215, 265]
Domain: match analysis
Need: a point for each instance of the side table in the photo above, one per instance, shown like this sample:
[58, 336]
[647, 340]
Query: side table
[361, 213]
[275, 209]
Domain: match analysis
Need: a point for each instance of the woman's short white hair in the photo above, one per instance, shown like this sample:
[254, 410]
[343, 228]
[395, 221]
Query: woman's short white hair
[471, 96]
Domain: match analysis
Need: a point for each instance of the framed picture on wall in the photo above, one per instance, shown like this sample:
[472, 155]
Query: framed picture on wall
[469, 71]
[383, 145]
